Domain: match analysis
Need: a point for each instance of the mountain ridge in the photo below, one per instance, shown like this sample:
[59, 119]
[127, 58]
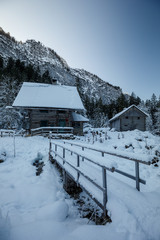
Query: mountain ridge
[46, 59]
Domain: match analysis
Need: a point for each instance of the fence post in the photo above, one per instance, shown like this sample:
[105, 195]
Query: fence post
[65, 180]
[104, 178]
[78, 164]
[63, 155]
[83, 157]
[55, 150]
[137, 175]
[50, 146]
[14, 145]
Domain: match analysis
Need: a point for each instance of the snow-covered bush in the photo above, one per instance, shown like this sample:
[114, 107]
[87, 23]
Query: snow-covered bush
[2, 155]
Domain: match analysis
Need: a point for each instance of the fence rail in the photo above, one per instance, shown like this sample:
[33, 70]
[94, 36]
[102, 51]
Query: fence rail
[12, 133]
[54, 131]
[6, 132]
[107, 152]
[137, 162]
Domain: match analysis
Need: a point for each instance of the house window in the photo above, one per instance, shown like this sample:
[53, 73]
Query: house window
[62, 123]
[138, 118]
[126, 117]
[43, 111]
[77, 124]
[61, 112]
[43, 123]
[73, 124]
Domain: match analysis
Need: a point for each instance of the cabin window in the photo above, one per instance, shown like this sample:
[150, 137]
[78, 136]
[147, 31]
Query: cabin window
[138, 118]
[43, 111]
[61, 112]
[35, 122]
[62, 123]
[43, 123]
[73, 124]
[77, 124]
[126, 117]
[126, 125]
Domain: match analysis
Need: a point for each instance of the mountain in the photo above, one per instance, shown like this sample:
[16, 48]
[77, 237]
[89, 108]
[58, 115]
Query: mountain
[45, 59]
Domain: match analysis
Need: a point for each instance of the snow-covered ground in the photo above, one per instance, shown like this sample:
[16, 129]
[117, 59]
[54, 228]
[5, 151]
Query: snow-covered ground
[36, 207]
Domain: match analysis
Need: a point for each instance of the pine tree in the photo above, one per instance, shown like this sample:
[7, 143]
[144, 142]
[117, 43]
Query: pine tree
[46, 77]
[158, 103]
[121, 103]
[10, 65]
[1, 62]
[153, 109]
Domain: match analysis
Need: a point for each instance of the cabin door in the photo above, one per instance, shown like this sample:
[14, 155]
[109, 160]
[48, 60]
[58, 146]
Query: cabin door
[62, 123]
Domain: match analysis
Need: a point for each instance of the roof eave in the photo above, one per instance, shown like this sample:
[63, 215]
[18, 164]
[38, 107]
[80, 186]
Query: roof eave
[28, 107]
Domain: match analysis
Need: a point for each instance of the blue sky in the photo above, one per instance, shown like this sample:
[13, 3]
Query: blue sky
[118, 40]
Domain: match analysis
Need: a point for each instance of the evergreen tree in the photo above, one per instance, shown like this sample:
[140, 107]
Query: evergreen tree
[1, 62]
[10, 65]
[134, 100]
[46, 77]
[121, 103]
[30, 73]
[153, 109]
[158, 102]
[137, 100]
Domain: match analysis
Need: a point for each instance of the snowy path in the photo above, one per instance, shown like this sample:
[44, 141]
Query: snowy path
[39, 209]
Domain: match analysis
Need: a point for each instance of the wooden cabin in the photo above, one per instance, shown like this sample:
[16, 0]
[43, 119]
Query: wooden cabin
[130, 118]
[47, 105]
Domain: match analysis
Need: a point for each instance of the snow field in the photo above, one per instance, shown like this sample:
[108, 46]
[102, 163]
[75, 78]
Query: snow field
[36, 207]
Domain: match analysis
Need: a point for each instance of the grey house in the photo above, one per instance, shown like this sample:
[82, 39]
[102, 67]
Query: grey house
[129, 119]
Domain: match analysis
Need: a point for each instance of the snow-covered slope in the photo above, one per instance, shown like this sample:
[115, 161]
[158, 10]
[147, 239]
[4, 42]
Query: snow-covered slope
[36, 54]
[92, 86]
[36, 207]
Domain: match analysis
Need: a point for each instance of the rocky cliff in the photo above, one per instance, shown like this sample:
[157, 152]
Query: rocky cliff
[46, 59]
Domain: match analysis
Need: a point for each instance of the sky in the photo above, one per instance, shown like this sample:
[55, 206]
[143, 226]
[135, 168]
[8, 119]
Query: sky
[118, 40]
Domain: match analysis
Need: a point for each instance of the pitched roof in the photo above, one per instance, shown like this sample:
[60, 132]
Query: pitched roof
[125, 110]
[47, 95]
[79, 118]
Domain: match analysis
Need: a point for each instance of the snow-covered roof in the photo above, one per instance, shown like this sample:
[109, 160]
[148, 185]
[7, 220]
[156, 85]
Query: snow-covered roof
[125, 110]
[47, 95]
[79, 118]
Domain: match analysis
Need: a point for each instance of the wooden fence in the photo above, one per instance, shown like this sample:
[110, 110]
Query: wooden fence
[137, 162]
[53, 131]
[104, 169]
[79, 172]
[7, 132]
